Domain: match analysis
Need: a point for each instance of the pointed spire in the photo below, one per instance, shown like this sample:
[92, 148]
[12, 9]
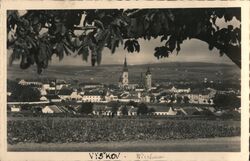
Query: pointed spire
[125, 66]
[125, 62]
[141, 80]
[148, 71]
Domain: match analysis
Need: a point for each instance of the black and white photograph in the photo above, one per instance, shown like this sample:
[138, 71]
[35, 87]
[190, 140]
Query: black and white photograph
[103, 80]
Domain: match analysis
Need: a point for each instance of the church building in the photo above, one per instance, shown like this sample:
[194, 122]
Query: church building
[144, 84]
[148, 80]
[123, 82]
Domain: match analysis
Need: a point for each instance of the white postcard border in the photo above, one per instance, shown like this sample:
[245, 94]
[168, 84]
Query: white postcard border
[168, 156]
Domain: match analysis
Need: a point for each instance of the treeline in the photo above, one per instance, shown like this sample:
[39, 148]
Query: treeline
[114, 107]
[19, 93]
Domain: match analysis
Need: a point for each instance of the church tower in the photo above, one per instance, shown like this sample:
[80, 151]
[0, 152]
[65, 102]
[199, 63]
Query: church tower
[124, 77]
[148, 80]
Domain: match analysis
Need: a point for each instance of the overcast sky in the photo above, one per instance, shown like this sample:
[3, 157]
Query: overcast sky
[191, 51]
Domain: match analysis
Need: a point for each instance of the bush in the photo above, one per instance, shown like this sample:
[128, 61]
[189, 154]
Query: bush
[86, 108]
[231, 115]
[142, 109]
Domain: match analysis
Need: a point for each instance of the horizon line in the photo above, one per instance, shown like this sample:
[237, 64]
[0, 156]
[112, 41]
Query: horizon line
[149, 63]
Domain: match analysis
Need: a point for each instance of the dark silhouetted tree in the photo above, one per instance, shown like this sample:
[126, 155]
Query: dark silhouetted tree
[132, 103]
[114, 110]
[86, 108]
[178, 99]
[124, 110]
[142, 109]
[151, 111]
[23, 93]
[186, 99]
[226, 101]
[30, 94]
[39, 34]
[114, 107]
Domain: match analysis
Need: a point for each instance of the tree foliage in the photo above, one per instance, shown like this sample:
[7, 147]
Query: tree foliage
[86, 108]
[186, 99]
[37, 35]
[124, 110]
[132, 103]
[22, 93]
[151, 111]
[226, 101]
[142, 109]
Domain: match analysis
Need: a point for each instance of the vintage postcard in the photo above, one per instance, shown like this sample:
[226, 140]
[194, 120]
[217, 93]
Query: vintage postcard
[128, 80]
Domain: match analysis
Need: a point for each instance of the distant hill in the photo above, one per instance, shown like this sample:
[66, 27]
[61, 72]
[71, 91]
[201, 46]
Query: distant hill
[161, 72]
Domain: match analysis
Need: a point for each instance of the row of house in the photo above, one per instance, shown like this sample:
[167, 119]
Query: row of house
[57, 91]
[96, 96]
[107, 109]
[133, 111]
[204, 96]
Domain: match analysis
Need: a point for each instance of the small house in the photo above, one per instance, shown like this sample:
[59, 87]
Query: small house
[75, 96]
[51, 109]
[43, 98]
[171, 112]
[164, 110]
[15, 109]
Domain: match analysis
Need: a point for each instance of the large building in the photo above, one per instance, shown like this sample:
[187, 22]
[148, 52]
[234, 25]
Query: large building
[123, 82]
[144, 84]
[92, 97]
[148, 80]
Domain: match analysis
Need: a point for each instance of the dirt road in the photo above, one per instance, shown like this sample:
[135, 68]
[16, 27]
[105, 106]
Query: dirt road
[225, 144]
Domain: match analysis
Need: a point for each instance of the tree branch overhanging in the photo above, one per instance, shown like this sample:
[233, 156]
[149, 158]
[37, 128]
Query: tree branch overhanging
[110, 28]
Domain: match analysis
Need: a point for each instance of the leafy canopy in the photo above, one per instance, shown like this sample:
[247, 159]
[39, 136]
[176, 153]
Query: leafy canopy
[226, 101]
[86, 108]
[38, 34]
[21, 93]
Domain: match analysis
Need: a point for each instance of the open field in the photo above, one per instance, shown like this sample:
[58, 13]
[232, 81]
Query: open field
[94, 130]
[225, 144]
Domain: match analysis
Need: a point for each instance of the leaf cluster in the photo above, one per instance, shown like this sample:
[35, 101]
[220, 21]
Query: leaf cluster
[39, 34]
